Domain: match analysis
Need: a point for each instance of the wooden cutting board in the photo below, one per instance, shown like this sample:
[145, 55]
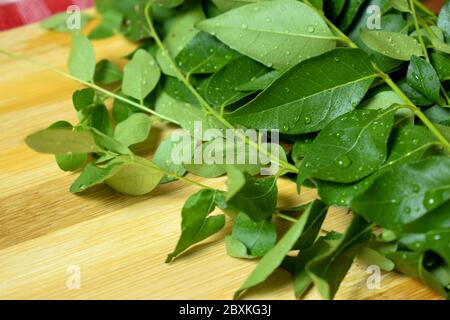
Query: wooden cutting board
[118, 243]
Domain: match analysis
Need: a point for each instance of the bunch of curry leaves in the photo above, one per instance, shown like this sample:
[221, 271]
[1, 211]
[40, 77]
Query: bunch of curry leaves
[358, 88]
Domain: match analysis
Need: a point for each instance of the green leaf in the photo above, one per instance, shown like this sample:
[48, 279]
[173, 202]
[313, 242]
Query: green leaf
[258, 237]
[71, 161]
[260, 83]
[135, 177]
[298, 103]
[273, 259]
[134, 129]
[411, 264]
[81, 58]
[62, 141]
[409, 144]
[98, 118]
[59, 22]
[278, 33]
[302, 280]
[236, 249]
[169, 3]
[107, 72]
[370, 257]
[140, 75]
[185, 113]
[196, 225]
[255, 197]
[400, 196]
[222, 86]
[327, 271]
[434, 240]
[392, 44]
[317, 215]
[109, 26]
[180, 30]
[349, 13]
[108, 143]
[444, 20]
[83, 98]
[93, 175]
[441, 63]
[163, 158]
[121, 110]
[400, 5]
[423, 78]
[350, 148]
[204, 54]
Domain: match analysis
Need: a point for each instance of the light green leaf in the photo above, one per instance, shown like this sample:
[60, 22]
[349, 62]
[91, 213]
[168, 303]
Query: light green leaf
[59, 22]
[180, 30]
[93, 175]
[81, 58]
[392, 44]
[135, 177]
[278, 33]
[134, 129]
[297, 102]
[62, 141]
[140, 75]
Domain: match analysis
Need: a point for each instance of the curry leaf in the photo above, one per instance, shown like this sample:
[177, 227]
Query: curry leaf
[196, 225]
[356, 146]
[297, 103]
[423, 78]
[394, 45]
[277, 33]
[134, 129]
[327, 271]
[273, 259]
[141, 75]
[204, 54]
[400, 196]
[93, 175]
[82, 57]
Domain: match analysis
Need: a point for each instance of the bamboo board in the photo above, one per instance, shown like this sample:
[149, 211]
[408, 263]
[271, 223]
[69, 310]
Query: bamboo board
[119, 243]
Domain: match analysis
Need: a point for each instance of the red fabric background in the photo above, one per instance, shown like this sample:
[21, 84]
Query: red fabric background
[14, 13]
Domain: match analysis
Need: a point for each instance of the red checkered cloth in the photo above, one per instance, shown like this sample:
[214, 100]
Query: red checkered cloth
[14, 13]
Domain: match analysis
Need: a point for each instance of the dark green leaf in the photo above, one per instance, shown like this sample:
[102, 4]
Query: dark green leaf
[350, 148]
[93, 175]
[327, 271]
[299, 103]
[423, 78]
[107, 72]
[196, 225]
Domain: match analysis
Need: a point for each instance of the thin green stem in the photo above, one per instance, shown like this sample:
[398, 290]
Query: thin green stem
[284, 217]
[86, 83]
[205, 105]
[418, 30]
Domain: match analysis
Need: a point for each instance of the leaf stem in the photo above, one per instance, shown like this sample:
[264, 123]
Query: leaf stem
[140, 106]
[409, 104]
[419, 32]
[205, 105]
[284, 217]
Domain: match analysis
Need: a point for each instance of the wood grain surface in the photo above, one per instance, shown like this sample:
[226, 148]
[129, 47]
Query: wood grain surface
[118, 242]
